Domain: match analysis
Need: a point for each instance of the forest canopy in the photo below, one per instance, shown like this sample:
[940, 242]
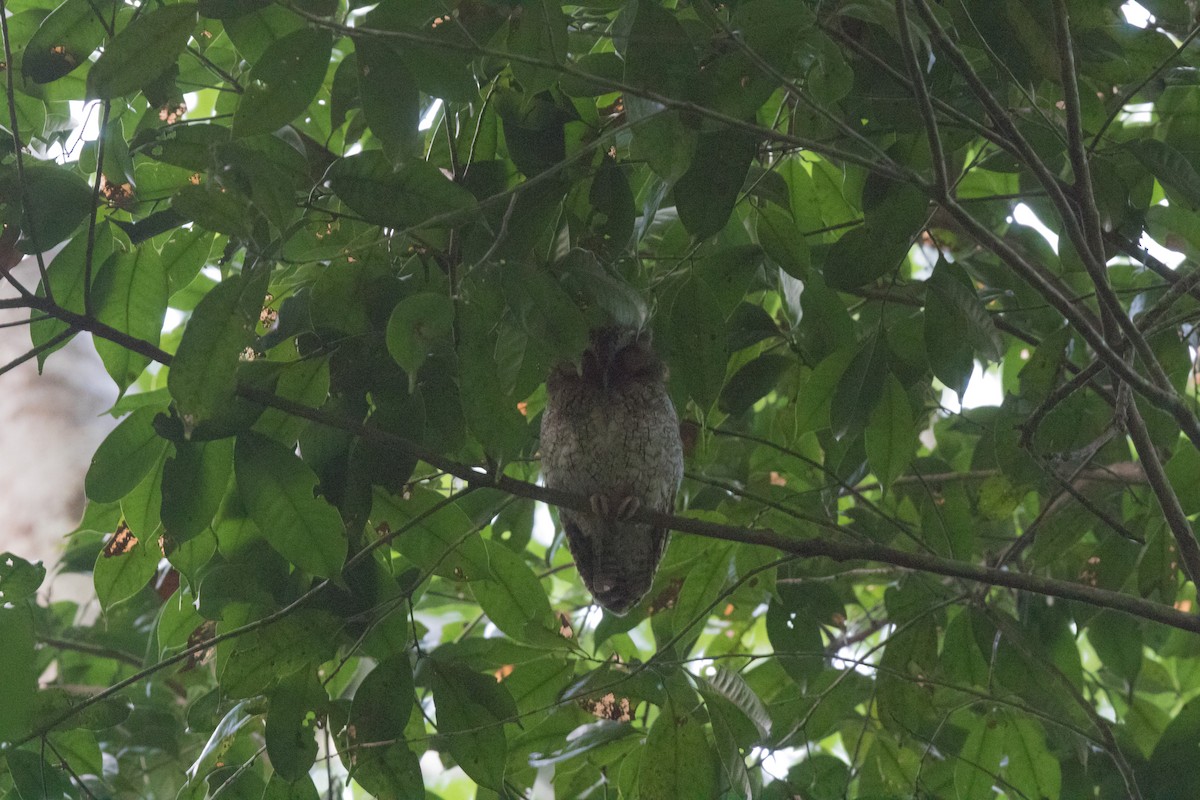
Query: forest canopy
[328, 252]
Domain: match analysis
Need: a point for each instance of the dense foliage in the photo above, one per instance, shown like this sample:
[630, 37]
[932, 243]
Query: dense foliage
[316, 537]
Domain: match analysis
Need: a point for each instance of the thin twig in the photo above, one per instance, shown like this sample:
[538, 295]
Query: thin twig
[92, 650]
[41, 348]
[941, 180]
[70, 770]
[88, 302]
[1132, 93]
[611, 84]
[1168, 500]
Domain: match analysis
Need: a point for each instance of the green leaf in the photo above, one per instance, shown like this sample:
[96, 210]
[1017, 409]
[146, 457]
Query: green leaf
[471, 709]
[417, 324]
[665, 143]
[441, 61]
[120, 576]
[66, 38]
[66, 276]
[1118, 641]
[703, 583]
[47, 208]
[390, 98]
[1173, 768]
[409, 195]
[1182, 470]
[795, 635]
[291, 725]
[697, 344]
[612, 198]
[581, 741]
[658, 55]
[731, 686]
[203, 376]
[859, 389]
[678, 761]
[383, 702]
[979, 759]
[514, 600]
[18, 578]
[54, 703]
[951, 356]
[183, 256]
[1172, 169]
[893, 215]
[193, 484]
[266, 657]
[125, 457]
[441, 542]
[815, 397]
[277, 489]
[19, 667]
[305, 382]
[380, 711]
[538, 29]
[215, 209]
[752, 382]
[1031, 768]
[131, 296]
[1043, 369]
[393, 771]
[951, 290]
[782, 240]
[705, 195]
[728, 273]
[141, 506]
[891, 435]
[818, 777]
[33, 777]
[142, 51]
[283, 81]
[490, 410]
[859, 257]
[177, 622]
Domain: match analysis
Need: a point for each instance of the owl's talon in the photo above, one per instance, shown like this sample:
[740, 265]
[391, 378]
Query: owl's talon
[599, 505]
[629, 506]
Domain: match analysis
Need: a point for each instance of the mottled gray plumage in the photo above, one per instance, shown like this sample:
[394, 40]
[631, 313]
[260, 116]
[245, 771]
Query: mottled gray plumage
[610, 433]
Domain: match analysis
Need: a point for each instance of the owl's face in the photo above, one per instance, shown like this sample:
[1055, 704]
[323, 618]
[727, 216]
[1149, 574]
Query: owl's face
[620, 356]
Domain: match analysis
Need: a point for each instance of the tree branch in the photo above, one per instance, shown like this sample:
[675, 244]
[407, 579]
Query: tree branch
[1181, 528]
[806, 548]
[88, 302]
[941, 179]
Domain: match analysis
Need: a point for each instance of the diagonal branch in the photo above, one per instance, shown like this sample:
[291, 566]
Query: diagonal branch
[806, 548]
[941, 180]
[1168, 500]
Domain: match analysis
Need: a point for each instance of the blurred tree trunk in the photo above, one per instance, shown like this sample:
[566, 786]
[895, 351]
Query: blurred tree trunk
[51, 426]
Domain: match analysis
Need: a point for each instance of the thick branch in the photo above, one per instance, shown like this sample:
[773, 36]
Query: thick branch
[1163, 397]
[805, 548]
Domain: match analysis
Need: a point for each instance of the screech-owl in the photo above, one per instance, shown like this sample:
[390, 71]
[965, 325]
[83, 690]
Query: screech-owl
[609, 432]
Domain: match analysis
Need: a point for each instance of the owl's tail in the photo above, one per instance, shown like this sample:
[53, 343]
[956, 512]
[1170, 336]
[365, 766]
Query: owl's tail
[617, 560]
